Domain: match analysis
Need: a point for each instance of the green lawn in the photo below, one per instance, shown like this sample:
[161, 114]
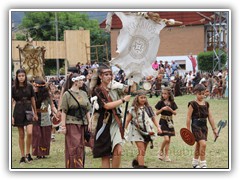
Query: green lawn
[181, 154]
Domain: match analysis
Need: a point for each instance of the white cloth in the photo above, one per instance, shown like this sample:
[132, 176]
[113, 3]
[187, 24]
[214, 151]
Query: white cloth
[137, 45]
[133, 134]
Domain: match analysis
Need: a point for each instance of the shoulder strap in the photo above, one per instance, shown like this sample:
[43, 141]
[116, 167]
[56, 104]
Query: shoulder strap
[79, 106]
[74, 98]
[114, 111]
[149, 111]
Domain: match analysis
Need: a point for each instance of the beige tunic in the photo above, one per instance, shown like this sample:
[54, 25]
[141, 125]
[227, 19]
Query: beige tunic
[114, 128]
[69, 103]
[133, 134]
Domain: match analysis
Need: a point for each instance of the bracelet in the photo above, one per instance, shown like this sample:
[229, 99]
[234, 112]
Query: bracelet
[214, 129]
[123, 101]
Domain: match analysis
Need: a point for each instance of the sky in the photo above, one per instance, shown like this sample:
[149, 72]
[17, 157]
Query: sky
[123, 4]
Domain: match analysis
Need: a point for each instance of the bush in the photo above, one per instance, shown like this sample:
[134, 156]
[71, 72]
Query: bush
[206, 62]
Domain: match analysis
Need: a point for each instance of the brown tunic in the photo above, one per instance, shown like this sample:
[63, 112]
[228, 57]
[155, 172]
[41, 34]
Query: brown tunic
[22, 96]
[111, 136]
[199, 120]
[166, 131]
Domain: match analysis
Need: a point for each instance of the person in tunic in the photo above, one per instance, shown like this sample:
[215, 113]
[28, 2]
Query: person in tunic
[197, 115]
[75, 116]
[166, 107]
[110, 96]
[23, 100]
[177, 88]
[141, 118]
[43, 127]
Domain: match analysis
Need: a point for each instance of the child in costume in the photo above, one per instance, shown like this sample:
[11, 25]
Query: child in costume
[42, 128]
[141, 118]
[166, 107]
[198, 113]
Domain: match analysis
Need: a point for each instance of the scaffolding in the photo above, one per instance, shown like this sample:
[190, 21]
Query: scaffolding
[218, 37]
[93, 52]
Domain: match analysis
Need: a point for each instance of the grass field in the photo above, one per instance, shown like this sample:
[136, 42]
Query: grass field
[217, 154]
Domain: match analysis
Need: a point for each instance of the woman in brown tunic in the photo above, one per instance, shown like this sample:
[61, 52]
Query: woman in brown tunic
[198, 112]
[108, 143]
[23, 100]
[75, 119]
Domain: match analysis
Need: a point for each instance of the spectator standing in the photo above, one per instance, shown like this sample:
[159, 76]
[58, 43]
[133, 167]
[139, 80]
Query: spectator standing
[155, 65]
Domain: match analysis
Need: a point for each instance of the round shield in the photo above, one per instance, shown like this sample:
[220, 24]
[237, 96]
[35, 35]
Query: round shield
[55, 122]
[187, 136]
[147, 85]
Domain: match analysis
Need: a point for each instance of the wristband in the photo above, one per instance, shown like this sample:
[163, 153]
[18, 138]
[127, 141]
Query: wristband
[214, 129]
[123, 101]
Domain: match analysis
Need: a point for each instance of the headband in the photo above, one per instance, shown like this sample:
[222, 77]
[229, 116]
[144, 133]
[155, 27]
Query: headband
[78, 78]
[106, 70]
[39, 85]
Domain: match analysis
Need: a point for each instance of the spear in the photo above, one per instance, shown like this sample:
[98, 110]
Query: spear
[130, 83]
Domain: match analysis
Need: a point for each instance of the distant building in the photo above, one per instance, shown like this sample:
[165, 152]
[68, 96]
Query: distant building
[177, 42]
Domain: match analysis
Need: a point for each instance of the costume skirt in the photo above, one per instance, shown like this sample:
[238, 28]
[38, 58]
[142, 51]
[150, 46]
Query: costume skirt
[74, 146]
[199, 129]
[20, 116]
[166, 131]
[41, 140]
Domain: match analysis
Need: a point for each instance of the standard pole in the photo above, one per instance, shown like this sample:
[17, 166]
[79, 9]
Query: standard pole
[56, 28]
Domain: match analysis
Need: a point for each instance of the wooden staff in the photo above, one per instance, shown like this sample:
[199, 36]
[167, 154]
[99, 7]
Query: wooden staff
[126, 107]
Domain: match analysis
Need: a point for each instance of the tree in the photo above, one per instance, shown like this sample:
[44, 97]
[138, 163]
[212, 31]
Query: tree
[41, 27]
[206, 62]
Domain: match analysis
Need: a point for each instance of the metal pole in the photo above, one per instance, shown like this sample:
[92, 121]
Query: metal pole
[20, 57]
[219, 41]
[106, 46]
[56, 28]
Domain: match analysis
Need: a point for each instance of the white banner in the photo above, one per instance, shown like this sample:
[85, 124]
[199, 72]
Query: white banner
[137, 45]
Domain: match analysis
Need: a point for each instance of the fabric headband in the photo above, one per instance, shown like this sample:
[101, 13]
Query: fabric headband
[78, 78]
[106, 70]
[39, 85]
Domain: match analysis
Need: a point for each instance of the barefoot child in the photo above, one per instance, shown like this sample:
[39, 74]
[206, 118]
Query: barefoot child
[142, 118]
[198, 112]
[166, 107]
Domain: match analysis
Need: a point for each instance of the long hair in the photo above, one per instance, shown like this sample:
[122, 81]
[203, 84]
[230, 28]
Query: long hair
[16, 83]
[100, 72]
[171, 97]
[69, 81]
[136, 104]
[43, 92]
[95, 80]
